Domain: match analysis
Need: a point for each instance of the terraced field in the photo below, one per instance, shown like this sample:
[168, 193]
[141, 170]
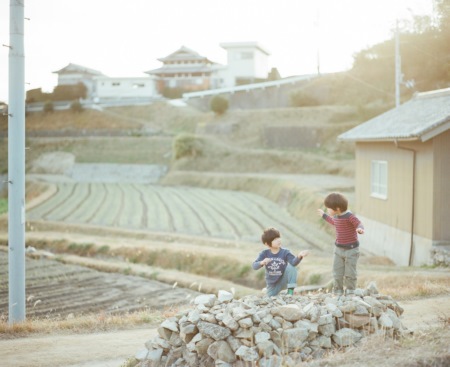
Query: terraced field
[183, 210]
[56, 289]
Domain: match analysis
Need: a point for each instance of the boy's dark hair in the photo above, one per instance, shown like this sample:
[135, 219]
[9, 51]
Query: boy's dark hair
[335, 201]
[269, 235]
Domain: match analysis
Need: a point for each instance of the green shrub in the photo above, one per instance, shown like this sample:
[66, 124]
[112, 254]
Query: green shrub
[76, 106]
[219, 104]
[3, 205]
[48, 107]
[186, 145]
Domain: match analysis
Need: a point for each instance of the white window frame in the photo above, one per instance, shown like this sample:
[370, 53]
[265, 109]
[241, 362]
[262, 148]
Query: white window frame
[379, 179]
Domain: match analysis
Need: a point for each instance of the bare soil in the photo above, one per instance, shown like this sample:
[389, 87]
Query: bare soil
[59, 290]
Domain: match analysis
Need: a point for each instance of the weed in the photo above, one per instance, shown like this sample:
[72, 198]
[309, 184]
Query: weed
[315, 279]
[103, 249]
[244, 270]
[83, 249]
[134, 260]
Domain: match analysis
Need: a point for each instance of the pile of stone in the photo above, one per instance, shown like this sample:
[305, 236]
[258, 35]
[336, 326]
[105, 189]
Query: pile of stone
[269, 331]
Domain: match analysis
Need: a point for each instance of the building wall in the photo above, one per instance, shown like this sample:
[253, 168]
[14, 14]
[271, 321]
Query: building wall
[383, 240]
[70, 79]
[261, 65]
[124, 87]
[441, 188]
[247, 62]
[394, 216]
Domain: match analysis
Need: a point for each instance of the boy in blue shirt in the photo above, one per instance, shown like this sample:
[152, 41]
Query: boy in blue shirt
[280, 263]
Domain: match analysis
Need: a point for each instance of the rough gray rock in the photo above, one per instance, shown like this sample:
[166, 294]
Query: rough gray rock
[276, 331]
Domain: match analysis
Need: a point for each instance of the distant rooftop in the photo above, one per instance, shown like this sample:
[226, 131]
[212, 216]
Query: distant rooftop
[75, 68]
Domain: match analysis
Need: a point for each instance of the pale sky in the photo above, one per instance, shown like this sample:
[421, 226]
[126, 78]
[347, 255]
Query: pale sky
[125, 38]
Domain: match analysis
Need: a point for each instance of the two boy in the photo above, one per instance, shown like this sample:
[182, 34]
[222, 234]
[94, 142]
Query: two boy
[280, 264]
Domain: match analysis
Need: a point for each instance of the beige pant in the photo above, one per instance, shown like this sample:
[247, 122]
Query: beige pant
[344, 269]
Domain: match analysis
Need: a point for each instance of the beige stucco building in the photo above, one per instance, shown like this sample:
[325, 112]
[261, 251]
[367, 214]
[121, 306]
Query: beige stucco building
[402, 179]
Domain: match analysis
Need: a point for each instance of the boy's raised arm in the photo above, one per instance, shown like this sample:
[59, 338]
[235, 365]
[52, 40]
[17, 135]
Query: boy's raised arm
[303, 254]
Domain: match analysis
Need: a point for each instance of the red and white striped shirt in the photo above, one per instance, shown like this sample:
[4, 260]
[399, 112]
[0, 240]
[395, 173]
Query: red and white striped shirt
[346, 226]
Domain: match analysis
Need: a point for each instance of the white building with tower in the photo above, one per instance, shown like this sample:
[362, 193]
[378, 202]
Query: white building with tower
[247, 63]
[184, 70]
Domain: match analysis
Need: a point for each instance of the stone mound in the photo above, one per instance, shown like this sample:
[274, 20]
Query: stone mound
[269, 331]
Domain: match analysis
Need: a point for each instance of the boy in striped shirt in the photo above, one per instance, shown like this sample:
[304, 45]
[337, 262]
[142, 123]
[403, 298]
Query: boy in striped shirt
[346, 251]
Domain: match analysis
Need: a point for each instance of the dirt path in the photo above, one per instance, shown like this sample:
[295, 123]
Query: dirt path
[111, 349]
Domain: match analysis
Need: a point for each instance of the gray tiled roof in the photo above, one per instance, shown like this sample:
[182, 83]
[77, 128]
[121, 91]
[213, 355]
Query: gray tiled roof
[183, 53]
[423, 117]
[75, 68]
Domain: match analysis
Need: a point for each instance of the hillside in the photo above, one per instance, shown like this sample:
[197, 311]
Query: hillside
[104, 256]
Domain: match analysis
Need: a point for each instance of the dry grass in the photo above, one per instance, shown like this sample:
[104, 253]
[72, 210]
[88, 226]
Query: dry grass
[121, 150]
[212, 155]
[410, 283]
[425, 348]
[86, 323]
[85, 120]
[402, 283]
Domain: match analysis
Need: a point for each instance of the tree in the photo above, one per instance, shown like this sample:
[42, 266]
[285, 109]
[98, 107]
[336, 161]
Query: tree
[69, 92]
[219, 104]
[425, 56]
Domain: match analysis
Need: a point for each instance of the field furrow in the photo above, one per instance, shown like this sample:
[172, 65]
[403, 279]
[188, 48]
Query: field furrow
[87, 207]
[192, 220]
[98, 201]
[177, 213]
[110, 208]
[63, 192]
[247, 228]
[185, 210]
[269, 214]
[132, 210]
[168, 224]
[66, 208]
[121, 200]
[158, 216]
[220, 225]
[144, 215]
[291, 228]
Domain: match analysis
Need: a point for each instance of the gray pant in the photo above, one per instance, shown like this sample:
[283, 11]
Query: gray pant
[287, 280]
[344, 269]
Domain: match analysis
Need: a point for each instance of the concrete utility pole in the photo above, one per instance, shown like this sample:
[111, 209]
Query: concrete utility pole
[398, 67]
[16, 164]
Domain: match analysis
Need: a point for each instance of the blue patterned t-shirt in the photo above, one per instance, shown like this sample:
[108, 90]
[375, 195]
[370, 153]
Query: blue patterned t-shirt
[275, 269]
